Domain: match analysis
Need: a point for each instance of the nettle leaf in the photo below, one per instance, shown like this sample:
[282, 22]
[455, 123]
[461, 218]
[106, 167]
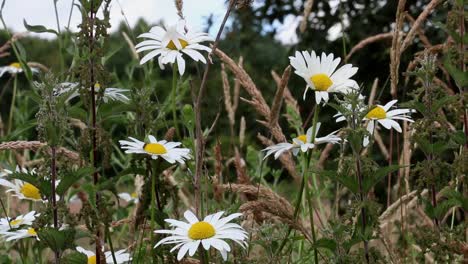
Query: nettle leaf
[325, 243]
[38, 28]
[459, 137]
[69, 179]
[57, 240]
[435, 148]
[442, 102]
[428, 208]
[346, 180]
[75, 258]
[371, 180]
[460, 77]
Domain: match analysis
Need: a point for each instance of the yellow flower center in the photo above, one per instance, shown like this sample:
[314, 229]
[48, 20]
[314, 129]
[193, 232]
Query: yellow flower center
[32, 231]
[155, 148]
[92, 260]
[134, 195]
[321, 82]
[302, 138]
[201, 230]
[30, 191]
[377, 113]
[16, 65]
[97, 86]
[171, 45]
[16, 222]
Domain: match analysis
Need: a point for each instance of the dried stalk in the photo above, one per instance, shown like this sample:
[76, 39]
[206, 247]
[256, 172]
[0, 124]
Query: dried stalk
[260, 105]
[305, 18]
[288, 98]
[278, 99]
[363, 43]
[36, 145]
[417, 24]
[199, 135]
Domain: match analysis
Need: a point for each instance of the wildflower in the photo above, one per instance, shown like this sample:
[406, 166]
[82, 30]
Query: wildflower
[120, 256]
[211, 232]
[14, 68]
[322, 76]
[171, 43]
[20, 234]
[129, 197]
[22, 190]
[110, 94]
[164, 149]
[302, 143]
[9, 223]
[386, 118]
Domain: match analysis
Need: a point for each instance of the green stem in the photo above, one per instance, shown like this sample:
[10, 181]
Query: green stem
[109, 239]
[12, 107]
[153, 201]
[173, 98]
[303, 183]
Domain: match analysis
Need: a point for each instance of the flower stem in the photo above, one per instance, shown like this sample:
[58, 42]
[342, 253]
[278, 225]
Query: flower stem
[12, 107]
[109, 239]
[173, 98]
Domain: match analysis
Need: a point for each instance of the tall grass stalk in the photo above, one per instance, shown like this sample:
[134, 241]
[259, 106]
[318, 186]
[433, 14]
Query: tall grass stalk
[53, 168]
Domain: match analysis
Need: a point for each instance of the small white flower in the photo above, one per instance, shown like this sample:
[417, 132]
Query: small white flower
[302, 143]
[211, 232]
[110, 94]
[386, 118]
[164, 149]
[171, 43]
[14, 68]
[129, 197]
[120, 256]
[20, 234]
[322, 76]
[9, 223]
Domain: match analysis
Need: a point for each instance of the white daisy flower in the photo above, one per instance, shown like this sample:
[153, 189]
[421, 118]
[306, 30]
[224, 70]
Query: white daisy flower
[322, 76]
[164, 149]
[22, 190]
[110, 94]
[302, 143]
[211, 232]
[171, 43]
[14, 68]
[9, 223]
[129, 197]
[20, 234]
[386, 118]
[120, 256]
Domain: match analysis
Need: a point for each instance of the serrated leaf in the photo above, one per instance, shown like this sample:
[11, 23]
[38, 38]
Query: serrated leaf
[68, 180]
[38, 28]
[371, 180]
[325, 243]
[442, 102]
[57, 240]
[346, 180]
[460, 77]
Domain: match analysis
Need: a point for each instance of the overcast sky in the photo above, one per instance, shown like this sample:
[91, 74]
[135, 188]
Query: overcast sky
[42, 12]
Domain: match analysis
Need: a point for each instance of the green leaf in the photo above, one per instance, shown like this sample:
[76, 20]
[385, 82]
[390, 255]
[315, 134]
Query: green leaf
[57, 240]
[346, 180]
[38, 28]
[446, 100]
[459, 137]
[325, 243]
[68, 180]
[371, 180]
[460, 77]
[75, 258]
